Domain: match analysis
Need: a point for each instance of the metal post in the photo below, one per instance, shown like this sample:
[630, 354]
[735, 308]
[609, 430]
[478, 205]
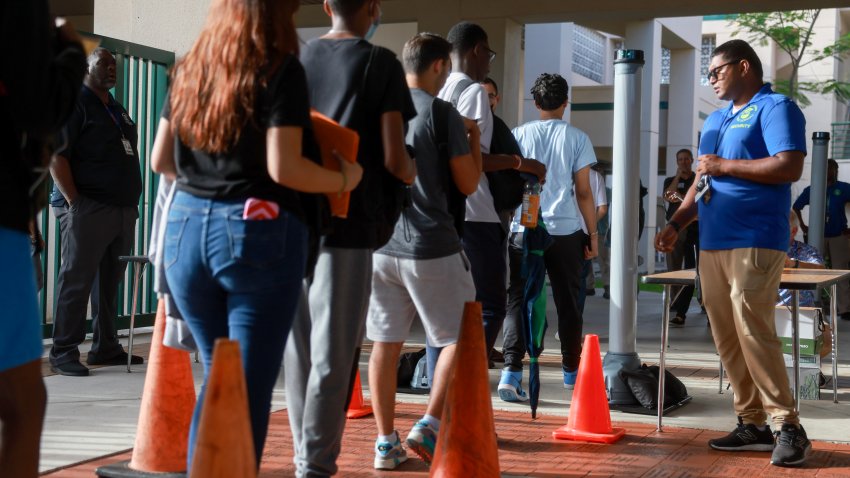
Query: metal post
[795, 332]
[817, 201]
[622, 344]
[662, 363]
[833, 318]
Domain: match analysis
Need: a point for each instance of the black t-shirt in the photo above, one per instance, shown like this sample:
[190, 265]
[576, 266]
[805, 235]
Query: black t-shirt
[682, 188]
[101, 167]
[427, 230]
[335, 72]
[242, 171]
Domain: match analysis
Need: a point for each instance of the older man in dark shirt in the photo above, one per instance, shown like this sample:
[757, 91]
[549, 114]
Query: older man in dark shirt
[98, 185]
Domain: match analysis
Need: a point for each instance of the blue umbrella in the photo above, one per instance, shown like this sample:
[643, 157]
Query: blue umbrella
[535, 243]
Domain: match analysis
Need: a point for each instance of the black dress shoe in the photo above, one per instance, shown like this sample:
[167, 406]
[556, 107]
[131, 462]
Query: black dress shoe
[120, 359]
[71, 369]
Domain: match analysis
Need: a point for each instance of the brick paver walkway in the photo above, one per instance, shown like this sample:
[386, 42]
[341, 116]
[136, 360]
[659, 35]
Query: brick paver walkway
[526, 448]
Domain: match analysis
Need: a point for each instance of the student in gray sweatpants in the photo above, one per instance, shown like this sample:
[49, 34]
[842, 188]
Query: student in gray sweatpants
[362, 87]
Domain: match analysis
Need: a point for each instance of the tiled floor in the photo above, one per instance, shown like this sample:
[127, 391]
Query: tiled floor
[526, 448]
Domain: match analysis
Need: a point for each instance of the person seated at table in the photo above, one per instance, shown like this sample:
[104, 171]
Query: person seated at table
[800, 256]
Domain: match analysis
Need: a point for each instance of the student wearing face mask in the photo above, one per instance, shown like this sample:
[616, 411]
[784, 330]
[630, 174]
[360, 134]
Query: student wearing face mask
[362, 87]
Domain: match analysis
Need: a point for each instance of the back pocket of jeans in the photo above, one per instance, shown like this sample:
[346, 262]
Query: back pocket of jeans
[257, 243]
[171, 243]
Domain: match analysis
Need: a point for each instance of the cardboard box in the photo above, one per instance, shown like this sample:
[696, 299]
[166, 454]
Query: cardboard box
[809, 382]
[811, 339]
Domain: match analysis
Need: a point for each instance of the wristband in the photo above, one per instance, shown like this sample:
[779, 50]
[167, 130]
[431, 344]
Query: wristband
[595, 233]
[675, 225]
[518, 161]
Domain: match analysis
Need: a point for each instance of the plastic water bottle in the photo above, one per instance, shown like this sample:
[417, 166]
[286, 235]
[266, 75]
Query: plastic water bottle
[530, 204]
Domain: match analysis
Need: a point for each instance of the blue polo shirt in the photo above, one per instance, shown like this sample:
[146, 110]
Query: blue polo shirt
[837, 196]
[742, 213]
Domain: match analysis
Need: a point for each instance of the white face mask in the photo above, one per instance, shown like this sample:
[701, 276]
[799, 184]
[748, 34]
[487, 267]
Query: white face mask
[373, 27]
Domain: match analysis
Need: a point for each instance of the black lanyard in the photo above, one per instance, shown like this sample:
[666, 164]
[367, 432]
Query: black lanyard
[114, 120]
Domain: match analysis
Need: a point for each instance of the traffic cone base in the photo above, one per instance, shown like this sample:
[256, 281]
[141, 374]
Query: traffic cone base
[357, 407]
[165, 413]
[466, 445]
[590, 417]
[565, 433]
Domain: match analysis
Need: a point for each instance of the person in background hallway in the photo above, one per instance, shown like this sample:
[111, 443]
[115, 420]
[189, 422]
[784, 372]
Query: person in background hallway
[836, 244]
[750, 152]
[42, 65]
[675, 189]
[235, 142]
[96, 193]
[362, 87]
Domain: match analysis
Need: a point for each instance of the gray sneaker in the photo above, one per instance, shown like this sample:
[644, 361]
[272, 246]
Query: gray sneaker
[792, 446]
[744, 438]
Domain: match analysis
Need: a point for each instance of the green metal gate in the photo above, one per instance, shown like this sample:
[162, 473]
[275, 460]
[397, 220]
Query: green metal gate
[141, 88]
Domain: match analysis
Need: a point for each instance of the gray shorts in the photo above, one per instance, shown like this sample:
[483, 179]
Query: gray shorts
[435, 289]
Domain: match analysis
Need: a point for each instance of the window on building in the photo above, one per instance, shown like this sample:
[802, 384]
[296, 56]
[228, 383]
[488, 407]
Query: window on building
[665, 66]
[709, 42]
[588, 53]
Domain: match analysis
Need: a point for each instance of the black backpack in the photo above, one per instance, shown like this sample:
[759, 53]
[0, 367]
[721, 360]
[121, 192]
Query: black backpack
[506, 185]
[455, 200]
[643, 383]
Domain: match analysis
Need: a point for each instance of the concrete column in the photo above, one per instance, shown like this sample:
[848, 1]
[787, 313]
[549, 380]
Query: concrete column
[549, 49]
[505, 38]
[646, 36]
[682, 104]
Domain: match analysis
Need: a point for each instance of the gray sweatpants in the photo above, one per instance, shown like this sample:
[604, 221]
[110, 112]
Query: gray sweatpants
[320, 354]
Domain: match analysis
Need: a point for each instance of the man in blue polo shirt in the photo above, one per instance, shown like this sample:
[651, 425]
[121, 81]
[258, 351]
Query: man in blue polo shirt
[835, 242]
[750, 153]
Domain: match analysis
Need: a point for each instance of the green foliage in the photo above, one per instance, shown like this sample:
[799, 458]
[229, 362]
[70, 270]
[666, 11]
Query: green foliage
[793, 32]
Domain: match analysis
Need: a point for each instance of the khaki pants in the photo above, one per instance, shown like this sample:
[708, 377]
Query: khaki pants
[739, 293]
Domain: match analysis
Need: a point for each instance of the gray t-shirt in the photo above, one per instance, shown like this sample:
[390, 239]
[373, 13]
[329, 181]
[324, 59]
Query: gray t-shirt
[426, 229]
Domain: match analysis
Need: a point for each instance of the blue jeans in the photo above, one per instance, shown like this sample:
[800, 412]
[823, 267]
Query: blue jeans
[239, 279]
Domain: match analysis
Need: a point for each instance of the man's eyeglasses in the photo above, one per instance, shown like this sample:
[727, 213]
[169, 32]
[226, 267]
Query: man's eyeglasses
[714, 73]
[491, 53]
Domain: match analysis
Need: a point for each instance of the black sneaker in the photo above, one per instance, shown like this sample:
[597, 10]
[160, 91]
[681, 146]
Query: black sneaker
[792, 446]
[744, 438]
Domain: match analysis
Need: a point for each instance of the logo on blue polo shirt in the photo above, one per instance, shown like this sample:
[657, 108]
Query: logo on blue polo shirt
[747, 114]
[744, 117]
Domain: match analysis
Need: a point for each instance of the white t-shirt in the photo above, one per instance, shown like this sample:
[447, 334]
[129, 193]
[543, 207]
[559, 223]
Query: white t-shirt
[597, 188]
[475, 105]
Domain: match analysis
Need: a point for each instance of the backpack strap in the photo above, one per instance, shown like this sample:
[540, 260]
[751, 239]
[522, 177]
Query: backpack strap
[460, 87]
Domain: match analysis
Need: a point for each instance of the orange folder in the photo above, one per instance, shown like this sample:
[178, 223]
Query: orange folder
[331, 137]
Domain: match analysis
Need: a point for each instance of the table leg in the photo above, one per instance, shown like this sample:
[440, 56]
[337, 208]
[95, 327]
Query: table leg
[795, 328]
[665, 321]
[833, 317]
[720, 386]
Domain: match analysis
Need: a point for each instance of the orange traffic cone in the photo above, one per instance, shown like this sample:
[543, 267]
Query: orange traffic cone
[590, 418]
[468, 413]
[357, 407]
[225, 446]
[165, 414]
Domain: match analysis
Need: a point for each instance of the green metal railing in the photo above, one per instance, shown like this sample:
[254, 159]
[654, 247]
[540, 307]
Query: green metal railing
[141, 88]
[840, 140]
